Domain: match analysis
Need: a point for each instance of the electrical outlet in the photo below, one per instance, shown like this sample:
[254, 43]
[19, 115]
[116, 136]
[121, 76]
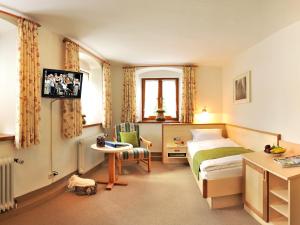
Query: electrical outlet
[52, 174]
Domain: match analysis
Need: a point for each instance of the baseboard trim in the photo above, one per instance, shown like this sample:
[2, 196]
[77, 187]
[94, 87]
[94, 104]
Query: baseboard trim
[156, 156]
[42, 195]
[94, 169]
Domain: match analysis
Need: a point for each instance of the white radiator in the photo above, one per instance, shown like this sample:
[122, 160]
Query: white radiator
[87, 157]
[6, 184]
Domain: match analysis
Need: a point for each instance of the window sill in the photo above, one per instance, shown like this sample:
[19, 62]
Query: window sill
[7, 137]
[154, 121]
[92, 125]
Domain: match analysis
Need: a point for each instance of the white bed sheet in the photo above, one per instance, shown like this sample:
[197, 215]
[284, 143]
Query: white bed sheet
[222, 173]
[217, 168]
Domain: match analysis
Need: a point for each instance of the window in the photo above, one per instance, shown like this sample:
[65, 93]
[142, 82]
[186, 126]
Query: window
[91, 95]
[9, 76]
[160, 93]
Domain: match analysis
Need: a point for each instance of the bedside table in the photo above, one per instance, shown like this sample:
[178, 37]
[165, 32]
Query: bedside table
[173, 153]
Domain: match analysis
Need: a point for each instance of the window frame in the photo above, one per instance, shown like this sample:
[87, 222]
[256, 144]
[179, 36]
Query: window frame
[85, 73]
[160, 98]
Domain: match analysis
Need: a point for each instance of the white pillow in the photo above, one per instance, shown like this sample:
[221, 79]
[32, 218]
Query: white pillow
[206, 134]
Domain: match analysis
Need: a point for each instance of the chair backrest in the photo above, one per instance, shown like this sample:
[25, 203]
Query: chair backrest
[127, 127]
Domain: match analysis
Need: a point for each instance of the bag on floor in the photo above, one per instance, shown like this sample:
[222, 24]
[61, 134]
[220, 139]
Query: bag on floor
[82, 186]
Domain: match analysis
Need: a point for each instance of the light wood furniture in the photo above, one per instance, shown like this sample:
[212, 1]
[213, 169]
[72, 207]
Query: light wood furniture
[220, 193]
[112, 178]
[142, 152]
[225, 192]
[171, 130]
[251, 138]
[176, 151]
[271, 193]
[232, 188]
[255, 189]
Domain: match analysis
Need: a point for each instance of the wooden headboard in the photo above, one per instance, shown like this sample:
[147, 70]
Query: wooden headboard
[171, 130]
[251, 138]
[292, 148]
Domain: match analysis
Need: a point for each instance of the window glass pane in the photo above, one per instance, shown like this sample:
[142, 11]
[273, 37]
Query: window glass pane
[169, 97]
[151, 94]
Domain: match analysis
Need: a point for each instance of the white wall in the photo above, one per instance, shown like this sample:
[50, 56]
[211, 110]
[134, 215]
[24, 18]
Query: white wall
[208, 91]
[275, 66]
[33, 174]
[209, 94]
[9, 79]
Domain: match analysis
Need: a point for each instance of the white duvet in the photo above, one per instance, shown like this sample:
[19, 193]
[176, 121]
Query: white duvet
[214, 166]
[195, 146]
[221, 163]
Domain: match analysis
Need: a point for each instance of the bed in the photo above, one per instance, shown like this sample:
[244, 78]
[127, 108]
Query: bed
[216, 167]
[214, 173]
[221, 188]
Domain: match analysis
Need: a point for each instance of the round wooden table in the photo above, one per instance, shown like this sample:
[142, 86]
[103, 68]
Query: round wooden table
[112, 178]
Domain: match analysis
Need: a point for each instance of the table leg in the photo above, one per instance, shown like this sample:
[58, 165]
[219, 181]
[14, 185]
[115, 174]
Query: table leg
[111, 170]
[112, 180]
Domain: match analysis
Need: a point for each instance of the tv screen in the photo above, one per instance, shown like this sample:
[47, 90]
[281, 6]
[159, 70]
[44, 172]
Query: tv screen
[61, 84]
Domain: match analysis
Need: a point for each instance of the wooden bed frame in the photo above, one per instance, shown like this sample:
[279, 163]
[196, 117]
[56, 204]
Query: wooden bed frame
[230, 193]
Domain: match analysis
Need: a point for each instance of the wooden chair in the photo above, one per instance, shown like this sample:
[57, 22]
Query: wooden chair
[141, 153]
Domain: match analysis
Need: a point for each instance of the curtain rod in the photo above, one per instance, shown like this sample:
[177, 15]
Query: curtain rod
[87, 51]
[143, 66]
[18, 17]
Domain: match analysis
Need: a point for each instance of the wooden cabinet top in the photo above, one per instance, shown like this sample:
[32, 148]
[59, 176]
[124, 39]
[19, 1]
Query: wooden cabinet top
[176, 146]
[266, 162]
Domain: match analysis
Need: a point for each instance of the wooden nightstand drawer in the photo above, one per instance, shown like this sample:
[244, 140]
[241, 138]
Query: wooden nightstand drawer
[174, 152]
[177, 149]
[177, 155]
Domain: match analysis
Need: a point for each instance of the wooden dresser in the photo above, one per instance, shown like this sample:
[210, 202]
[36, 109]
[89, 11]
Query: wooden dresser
[271, 193]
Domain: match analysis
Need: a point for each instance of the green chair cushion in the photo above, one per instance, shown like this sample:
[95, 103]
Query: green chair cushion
[130, 137]
[127, 127]
[135, 153]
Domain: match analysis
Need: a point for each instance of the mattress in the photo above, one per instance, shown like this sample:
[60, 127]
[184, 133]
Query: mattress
[224, 167]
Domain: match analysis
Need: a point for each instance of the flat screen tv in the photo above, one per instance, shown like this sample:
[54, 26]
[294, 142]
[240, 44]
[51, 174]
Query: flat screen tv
[61, 84]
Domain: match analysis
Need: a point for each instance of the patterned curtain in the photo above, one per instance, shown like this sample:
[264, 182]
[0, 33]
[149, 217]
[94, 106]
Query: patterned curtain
[71, 108]
[188, 94]
[107, 104]
[29, 101]
[129, 105]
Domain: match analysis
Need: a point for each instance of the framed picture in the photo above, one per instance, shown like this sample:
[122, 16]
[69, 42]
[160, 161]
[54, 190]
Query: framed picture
[241, 88]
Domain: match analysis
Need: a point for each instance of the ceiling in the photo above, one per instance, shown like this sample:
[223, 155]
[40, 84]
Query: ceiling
[207, 32]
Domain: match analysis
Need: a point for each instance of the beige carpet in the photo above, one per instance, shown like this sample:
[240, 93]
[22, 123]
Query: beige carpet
[167, 196]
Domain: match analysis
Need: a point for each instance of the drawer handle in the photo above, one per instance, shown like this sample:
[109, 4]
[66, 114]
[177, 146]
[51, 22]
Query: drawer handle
[177, 150]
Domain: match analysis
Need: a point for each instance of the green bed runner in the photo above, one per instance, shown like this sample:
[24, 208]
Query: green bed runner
[215, 153]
